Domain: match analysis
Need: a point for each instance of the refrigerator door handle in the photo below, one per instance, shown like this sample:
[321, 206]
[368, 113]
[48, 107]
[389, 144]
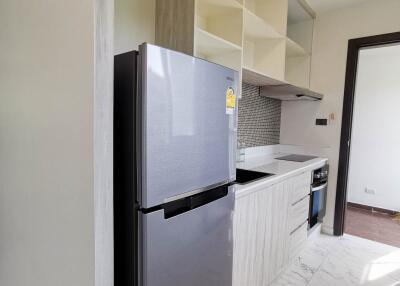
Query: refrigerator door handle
[187, 204]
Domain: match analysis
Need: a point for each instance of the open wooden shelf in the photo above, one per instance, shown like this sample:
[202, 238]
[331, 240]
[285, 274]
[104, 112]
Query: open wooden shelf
[293, 49]
[267, 56]
[300, 26]
[257, 28]
[273, 12]
[297, 71]
[223, 18]
[216, 49]
[210, 43]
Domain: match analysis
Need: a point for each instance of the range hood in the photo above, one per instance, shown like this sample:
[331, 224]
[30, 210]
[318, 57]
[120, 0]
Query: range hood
[278, 89]
[289, 92]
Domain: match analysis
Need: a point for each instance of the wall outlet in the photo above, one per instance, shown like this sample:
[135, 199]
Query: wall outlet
[369, 191]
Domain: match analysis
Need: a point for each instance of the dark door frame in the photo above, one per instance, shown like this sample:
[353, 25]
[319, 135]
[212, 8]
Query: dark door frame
[354, 47]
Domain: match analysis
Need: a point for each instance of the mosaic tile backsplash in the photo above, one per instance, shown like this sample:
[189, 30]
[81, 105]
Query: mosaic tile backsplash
[259, 118]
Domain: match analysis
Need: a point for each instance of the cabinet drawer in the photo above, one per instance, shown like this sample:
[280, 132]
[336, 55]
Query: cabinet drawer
[298, 213]
[297, 239]
[301, 187]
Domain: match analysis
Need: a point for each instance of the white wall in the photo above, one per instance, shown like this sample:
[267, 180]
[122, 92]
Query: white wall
[331, 35]
[48, 67]
[375, 152]
[134, 22]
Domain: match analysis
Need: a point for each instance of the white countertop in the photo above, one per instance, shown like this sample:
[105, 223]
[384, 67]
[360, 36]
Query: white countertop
[281, 170]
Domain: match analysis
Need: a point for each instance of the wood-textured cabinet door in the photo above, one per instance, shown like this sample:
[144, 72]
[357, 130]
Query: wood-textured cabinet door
[260, 236]
[278, 231]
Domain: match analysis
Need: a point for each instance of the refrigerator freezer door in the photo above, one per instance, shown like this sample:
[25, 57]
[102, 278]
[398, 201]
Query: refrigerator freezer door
[193, 248]
[187, 124]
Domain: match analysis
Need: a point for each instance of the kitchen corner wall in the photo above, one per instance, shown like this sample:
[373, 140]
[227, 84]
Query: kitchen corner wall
[134, 24]
[56, 143]
[259, 118]
[331, 35]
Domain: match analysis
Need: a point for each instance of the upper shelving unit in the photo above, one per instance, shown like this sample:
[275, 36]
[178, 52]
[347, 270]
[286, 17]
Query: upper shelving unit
[268, 41]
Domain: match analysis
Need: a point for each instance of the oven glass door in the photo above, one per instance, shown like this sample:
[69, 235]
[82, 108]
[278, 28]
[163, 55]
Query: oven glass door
[318, 202]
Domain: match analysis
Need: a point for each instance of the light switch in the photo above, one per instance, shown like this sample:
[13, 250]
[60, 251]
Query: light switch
[321, 121]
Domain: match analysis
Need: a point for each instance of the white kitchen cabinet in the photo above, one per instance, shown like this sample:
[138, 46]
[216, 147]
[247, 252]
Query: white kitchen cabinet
[259, 236]
[298, 213]
[299, 187]
[297, 239]
[270, 227]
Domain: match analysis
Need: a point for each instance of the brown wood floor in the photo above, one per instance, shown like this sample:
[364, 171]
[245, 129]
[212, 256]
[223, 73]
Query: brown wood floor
[373, 226]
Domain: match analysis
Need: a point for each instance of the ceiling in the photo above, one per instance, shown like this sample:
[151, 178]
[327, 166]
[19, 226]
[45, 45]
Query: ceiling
[322, 6]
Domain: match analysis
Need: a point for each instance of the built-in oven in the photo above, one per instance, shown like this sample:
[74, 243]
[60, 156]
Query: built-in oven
[318, 193]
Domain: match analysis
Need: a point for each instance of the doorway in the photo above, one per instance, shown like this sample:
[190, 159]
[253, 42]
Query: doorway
[367, 188]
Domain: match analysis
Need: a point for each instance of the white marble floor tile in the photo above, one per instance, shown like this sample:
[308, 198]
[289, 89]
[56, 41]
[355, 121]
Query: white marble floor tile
[349, 260]
[307, 263]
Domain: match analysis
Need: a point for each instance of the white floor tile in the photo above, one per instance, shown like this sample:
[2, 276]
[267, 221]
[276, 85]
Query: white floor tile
[349, 260]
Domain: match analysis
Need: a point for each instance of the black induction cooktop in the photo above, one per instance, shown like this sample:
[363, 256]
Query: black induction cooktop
[296, 158]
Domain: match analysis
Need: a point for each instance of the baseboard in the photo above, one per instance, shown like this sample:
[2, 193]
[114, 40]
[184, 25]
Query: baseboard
[327, 229]
[371, 209]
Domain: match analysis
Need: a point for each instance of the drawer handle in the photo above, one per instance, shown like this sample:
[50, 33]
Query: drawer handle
[297, 228]
[296, 202]
[316, 189]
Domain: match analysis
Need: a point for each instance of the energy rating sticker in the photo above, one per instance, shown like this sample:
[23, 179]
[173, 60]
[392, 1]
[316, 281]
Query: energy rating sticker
[230, 100]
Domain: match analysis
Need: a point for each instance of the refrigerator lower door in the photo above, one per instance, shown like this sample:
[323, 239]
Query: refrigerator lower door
[192, 248]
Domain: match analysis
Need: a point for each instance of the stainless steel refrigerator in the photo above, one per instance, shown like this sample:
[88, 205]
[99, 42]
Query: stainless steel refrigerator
[175, 125]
